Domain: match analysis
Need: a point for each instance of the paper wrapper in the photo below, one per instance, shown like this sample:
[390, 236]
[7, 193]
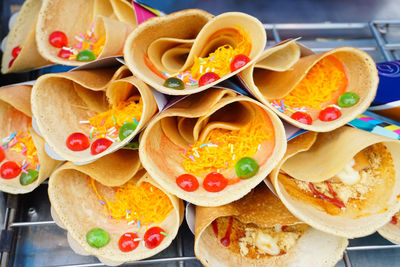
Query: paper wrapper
[22, 34]
[61, 101]
[281, 68]
[76, 208]
[15, 115]
[163, 141]
[314, 157]
[262, 208]
[172, 42]
[387, 100]
[113, 19]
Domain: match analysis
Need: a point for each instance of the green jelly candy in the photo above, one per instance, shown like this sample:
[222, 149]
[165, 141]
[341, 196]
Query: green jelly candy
[246, 167]
[133, 145]
[126, 130]
[28, 178]
[85, 55]
[348, 99]
[174, 83]
[97, 238]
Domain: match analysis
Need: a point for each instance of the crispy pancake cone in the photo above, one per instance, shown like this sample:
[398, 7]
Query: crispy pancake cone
[262, 208]
[23, 34]
[172, 131]
[76, 208]
[113, 19]
[391, 232]
[15, 115]
[171, 42]
[316, 158]
[279, 70]
[61, 101]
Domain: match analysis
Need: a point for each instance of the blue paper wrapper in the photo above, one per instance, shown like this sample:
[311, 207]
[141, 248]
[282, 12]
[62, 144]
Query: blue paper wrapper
[387, 100]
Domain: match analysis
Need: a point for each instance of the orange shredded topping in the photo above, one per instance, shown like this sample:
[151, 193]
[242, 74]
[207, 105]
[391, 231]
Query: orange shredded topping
[223, 148]
[219, 60]
[125, 111]
[143, 202]
[23, 143]
[320, 85]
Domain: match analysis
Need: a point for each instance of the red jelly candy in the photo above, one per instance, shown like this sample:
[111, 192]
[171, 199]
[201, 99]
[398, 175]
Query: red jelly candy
[100, 145]
[329, 114]
[11, 62]
[64, 53]
[153, 237]
[58, 39]
[302, 117]
[187, 182]
[10, 169]
[78, 142]
[239, 61]
[2, 155]
[127, 242]
[207, 78]
[215, 182]
[15, 52]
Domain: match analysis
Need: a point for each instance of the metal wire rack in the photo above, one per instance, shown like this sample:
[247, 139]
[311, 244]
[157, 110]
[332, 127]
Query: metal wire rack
[29, 237]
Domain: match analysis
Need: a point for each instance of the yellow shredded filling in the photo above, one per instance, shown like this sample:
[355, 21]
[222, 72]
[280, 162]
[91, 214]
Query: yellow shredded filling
[126, 111]
[223, 148]
[23, 143]
[145, 203]
[219, 60]
[321, 82]
[90, 43]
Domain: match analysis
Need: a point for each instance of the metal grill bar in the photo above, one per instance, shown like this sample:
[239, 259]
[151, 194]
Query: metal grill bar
[151, 261]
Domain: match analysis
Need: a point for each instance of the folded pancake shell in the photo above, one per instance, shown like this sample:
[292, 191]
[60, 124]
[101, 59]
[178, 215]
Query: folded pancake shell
[61, 101]
[76, 207]
[173, 34]
[360, 217]
[15, 116]
[262, 209]
[162, 143]
[279, 70]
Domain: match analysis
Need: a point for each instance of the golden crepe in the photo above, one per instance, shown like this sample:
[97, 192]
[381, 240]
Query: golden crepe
[24, 163]
[190, 45]
[98, 103]
[344, 182]
[20, 52]
[391, 230]
[262, 233]
[317, 92]
[98, 27]
[89, 198]
[206, 139]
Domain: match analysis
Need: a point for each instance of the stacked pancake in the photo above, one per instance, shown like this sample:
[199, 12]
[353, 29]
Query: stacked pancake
[130, 164]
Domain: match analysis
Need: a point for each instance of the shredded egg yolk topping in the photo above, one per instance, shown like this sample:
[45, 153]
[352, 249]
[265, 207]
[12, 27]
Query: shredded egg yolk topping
[144, 202]
[22, 142]
[219, 60]
[109, 122]
[223, 148]
[326, 80]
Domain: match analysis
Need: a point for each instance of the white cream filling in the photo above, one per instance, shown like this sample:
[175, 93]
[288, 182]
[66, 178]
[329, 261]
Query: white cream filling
[348, 175]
